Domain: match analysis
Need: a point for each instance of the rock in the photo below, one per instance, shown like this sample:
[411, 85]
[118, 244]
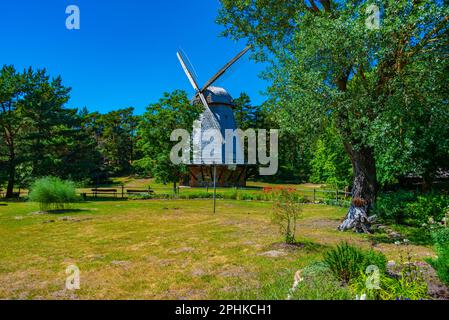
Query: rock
[183, 249]
[391, 264]
[38, 213]
[395, 235]
[198, 272]
[119, 263]
[273, 254]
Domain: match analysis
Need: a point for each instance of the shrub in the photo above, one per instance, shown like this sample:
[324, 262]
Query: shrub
[53, 193]
[140, 196]
[286, 212]
[408, 207]
[428, 206]
[346, 261]
[392, 206]
[320, 284]
[440, 236]
[408, 285]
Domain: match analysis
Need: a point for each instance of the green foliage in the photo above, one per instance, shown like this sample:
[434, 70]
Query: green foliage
[393, 206]
[286, 211]
[441, 264]
[440, 236]
[409, 285]
[330, 163]
[116, 139]
[320, 284]
[173, 111]
[32, 119]
[428, 206]
[409, 207]
[346, 261]
[386, 96]
[53, 193]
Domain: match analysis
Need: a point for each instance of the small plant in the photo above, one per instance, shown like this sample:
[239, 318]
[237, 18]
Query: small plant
[408, 285]
[318, 283]
[286, 211]
[141, 196]
[440, 236]
[53, 193]
[346, 261]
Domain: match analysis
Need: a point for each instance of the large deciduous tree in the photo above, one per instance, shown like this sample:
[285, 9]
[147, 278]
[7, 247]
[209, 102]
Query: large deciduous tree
[329, 60]
[173, 111]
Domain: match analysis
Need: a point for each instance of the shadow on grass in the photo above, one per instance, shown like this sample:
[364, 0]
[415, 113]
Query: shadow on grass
[415, 235]
[103, 199]
[65, 211]
[302, 244]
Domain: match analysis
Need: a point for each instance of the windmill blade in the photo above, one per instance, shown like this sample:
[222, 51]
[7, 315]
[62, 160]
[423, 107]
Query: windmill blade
[209, 116]
[187, 72]
[226, 67]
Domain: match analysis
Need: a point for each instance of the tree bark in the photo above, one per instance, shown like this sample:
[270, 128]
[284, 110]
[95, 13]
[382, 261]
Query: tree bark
[11, 180]
[364, 188]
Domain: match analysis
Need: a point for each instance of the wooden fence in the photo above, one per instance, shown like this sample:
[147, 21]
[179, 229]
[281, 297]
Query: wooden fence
[314, 195]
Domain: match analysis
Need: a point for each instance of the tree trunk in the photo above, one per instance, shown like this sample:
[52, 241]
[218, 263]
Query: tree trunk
[427, 182]
[364, 189]
[11, 180]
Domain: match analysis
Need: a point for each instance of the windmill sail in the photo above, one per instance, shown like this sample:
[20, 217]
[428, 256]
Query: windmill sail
[226, 67]
[209, 117]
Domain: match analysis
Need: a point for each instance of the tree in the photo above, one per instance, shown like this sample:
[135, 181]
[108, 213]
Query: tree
[173, 111]
[330, 163]
[76, 156]
[327, 64]
[246, 115]
[31, 109]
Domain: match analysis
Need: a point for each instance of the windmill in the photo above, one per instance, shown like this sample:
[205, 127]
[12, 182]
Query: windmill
[209, 117]
[218, 114]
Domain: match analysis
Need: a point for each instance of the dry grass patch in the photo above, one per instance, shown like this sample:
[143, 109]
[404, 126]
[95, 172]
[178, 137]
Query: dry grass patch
[158, 249]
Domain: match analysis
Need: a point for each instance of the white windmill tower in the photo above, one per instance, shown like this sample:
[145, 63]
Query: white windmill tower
[218, 114]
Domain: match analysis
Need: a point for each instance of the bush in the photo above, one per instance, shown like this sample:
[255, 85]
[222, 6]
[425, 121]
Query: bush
[409, 285]
[286, 212]
[140, 196]
[320, 284]
[408, 207]
[393, 206]
[428, 206]
[440, 237]
[53, 193]
[346, 262]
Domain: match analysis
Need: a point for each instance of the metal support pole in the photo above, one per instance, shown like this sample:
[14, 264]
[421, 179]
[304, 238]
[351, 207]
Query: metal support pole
[215, 187]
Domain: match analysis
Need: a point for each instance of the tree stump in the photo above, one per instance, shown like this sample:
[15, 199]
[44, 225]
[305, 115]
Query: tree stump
[357, 218]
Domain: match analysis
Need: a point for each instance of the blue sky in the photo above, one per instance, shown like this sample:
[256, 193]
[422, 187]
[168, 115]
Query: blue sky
[125, 52]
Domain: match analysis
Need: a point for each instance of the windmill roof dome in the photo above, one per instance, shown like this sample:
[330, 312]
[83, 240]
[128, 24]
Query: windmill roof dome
[217, 95]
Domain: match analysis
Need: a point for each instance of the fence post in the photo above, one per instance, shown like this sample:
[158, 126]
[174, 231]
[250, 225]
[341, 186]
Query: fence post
[314, 195]
[123, 191]
[336, 196]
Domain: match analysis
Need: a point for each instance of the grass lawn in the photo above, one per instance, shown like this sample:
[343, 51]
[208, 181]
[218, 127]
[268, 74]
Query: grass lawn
[175, 249]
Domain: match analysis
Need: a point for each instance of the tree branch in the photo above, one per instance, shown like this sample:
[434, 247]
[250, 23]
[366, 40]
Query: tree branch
[326, 5]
